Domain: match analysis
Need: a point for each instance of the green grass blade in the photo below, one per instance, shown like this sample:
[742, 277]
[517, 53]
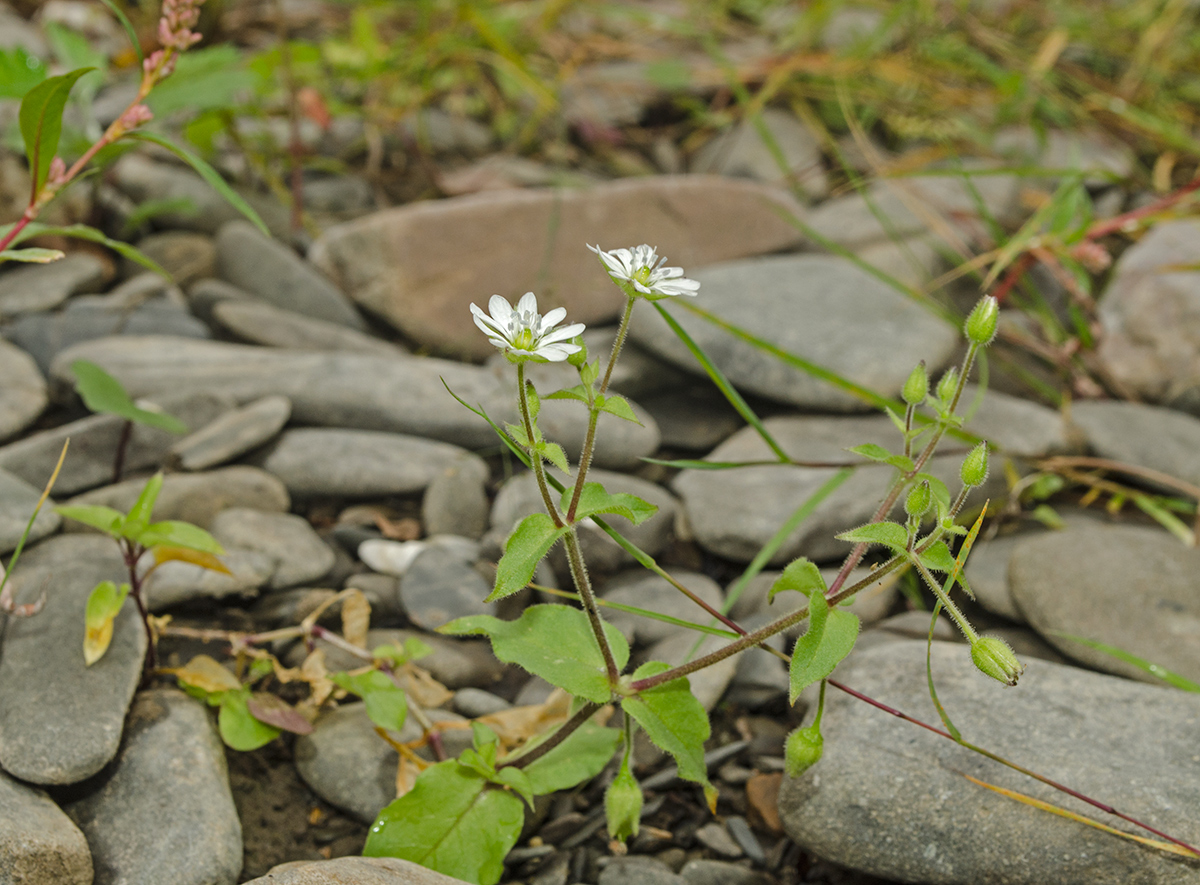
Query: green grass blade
[84, 232]
[719, 379]
[129, 31]
[1153, 669]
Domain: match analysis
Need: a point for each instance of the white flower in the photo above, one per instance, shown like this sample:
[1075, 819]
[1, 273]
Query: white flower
[523, 332]
[641, 268]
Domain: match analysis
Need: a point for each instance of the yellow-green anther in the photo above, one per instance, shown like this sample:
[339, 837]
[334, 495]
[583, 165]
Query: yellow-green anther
[994, 658]
[918, 500]
[623, 804]
[981, 324]
[803, 750]
[946, 386]
[916, 388]
[975, 466]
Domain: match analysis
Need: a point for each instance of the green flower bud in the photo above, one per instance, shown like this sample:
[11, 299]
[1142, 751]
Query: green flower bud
[975, 466]
[949, 381]
[916, 388]
[994, 658]
[918, 500]
[803, 750]
[623, 804]
[980, 327]
[579, 357]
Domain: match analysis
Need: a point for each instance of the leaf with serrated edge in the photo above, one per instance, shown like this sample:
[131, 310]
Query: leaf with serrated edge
[103, 605]
[238, 727]
[594, 499]
[674, 720]
[453, 822]
[889, 534]
[576, 760]
[524, 549]
[554, 642]
[829, 638]
[97, 516]
[801, 575]
[578, 392]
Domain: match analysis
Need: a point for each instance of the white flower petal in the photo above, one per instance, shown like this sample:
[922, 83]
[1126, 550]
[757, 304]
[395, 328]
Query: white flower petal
[527, 304]
[499, 308]
[553, 318]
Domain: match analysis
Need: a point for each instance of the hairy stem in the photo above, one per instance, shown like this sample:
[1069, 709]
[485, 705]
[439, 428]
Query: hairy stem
[583, 584]
[535, 458]
[564, 731]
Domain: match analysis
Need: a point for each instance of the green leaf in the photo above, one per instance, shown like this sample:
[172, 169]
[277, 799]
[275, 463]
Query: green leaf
[938, 558]
[589, 372]
[452, 822]
[105, 519]
[594, 499]
[174, 533]
[205, 79]
[801, 575]
[103, 605]
[675, 721]
[517, 781]
[1168, 676]
[615, 404]
[129, 31]
[84, 232]
[239, 728]
[138, 519]
[41, 122]
[386, 703]
[208, 173]
[554, 642]
[32, 256]
[524, 549]
[890, 534]
[896, 419]
[829, 638]
[101, 392]
[554, 453]
[412, 649]
[578, 392]
[576, 760]
[19, 72]
[883, 456]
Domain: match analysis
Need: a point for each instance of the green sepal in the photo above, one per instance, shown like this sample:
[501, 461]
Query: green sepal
[801, 575]
[452, 821]
[590, 372]
[554, 642]
[829, 638]
[106, 519]
[623, 804]
[889, 534]
[615, 404]
[594, 499]
[524, 549]
[675, 721]
[941, 494]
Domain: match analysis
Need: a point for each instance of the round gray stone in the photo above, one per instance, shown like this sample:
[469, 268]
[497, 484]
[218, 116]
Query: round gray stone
[261, 322]
[443, 584]
[233, 434]
[455, 501]
[299, 552]
[37, 287]
[23, 395]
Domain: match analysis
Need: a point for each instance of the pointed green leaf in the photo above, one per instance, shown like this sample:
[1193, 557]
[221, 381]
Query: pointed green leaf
[41, 122]
[238, 726]
[801, 575]
[517, 432]
[524, 549]
[594, 499]
[517, 781]
[101, 392]
[386, 703]
[84, 232]
[554, 453]
[883, 456]
[890, 534]
[19, 72]
[829, 638]
[451, 821]
[896, 419]
[32, 255]
[674, 720]
[615, 404]
[173, 533]
[138, 519]
[207, 172]
[578, 392]
[575, 761]
[554, 642]
[105, 519]
[938, 558]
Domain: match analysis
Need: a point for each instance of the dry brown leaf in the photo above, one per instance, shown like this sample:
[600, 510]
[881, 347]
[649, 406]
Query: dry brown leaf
[406, 776]
[518, 724]
[314, 673]
[426, 691]
[206, 674]
[356, 617]
[195, 557]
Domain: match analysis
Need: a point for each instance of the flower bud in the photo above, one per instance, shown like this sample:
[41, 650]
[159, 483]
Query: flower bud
[975, 466]
[980, 327]
[579, 357]
[994, 658]
[917, 386]
[803, 750]
[623, 805]
[918, 500]
[947, 384]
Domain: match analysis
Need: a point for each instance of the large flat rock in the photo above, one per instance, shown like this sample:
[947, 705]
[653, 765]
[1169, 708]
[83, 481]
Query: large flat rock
[890, 799]
[420, 266]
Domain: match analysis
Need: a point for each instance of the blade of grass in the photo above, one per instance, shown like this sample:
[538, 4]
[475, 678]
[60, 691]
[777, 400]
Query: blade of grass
[6, 600]
[1173, 679]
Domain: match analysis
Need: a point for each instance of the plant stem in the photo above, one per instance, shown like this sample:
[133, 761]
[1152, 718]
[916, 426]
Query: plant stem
[132, 553]
[963, 624]
[122, 445]
[583, 584]
[589, 443]
[535, 457]
[564, 731]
